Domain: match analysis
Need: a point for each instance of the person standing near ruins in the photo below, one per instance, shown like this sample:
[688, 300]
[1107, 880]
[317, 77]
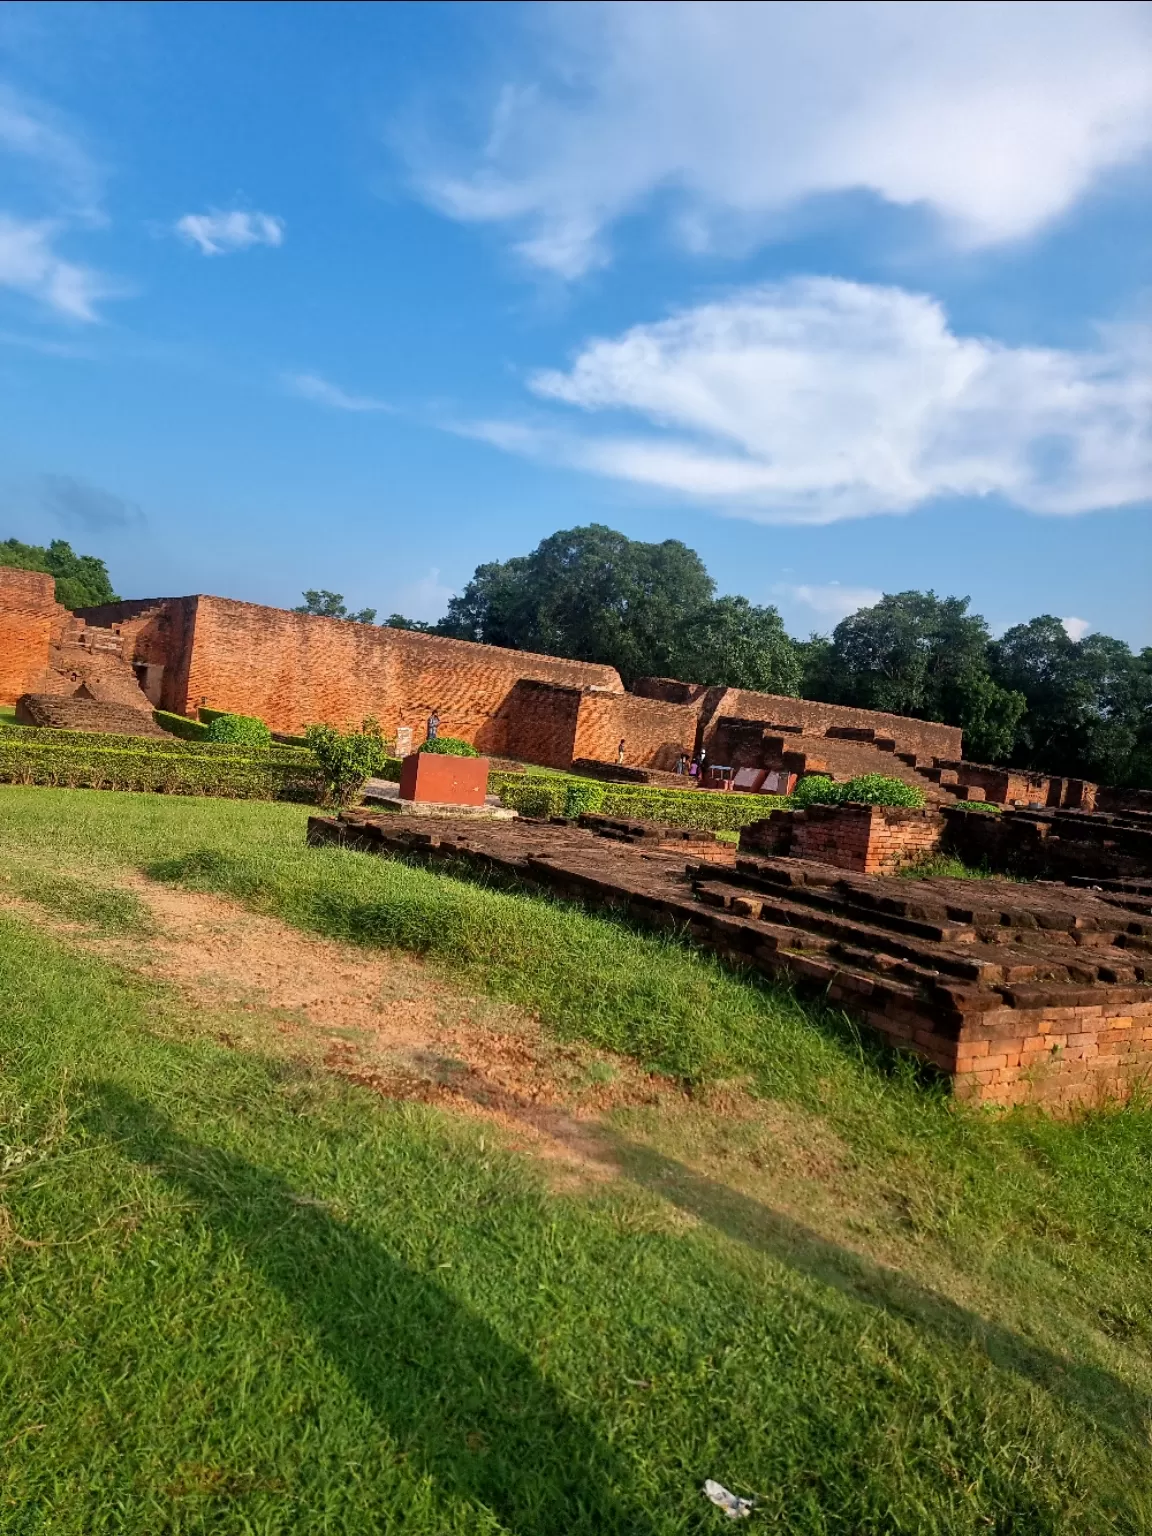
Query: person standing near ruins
[433, 726]
[620, 751]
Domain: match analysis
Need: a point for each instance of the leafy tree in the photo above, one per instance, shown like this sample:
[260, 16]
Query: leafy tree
[732, 643]
[1089, 701]
[82, 581]
[323, 604]
[914, 653]
[589, 593]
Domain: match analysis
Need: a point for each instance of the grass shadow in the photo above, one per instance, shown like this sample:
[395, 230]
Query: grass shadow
[1092, 1390]
[469, 1409]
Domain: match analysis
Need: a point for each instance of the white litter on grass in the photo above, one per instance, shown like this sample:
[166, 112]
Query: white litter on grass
[732, 1504]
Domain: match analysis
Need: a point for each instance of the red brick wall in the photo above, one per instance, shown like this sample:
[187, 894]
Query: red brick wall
[654, 733]
[294, 670]
[30, 621]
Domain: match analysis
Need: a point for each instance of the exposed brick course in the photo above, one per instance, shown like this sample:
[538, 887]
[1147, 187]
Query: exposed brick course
[870, 839]
[30, 620]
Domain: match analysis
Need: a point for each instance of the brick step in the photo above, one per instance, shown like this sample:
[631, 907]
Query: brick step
[984, 965]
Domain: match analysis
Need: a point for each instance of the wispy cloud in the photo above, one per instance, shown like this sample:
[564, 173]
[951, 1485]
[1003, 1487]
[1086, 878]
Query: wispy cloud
[217, 233]
[425, 599]
[995, 117]
[310, 386]
[1076, 628]
[46, 168]
[30, 264]
[818, 399]
[830, 601]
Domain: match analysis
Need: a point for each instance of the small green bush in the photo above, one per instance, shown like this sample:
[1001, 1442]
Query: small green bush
[347, 760]
[865, 789]
[450, 746]
[180, 725]
[243, 730]
[879, 789]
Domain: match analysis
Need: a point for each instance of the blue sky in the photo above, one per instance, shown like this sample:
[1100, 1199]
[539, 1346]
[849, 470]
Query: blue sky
[849, 298]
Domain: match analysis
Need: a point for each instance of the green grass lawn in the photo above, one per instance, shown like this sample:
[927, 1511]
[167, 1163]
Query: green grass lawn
[239, 1295]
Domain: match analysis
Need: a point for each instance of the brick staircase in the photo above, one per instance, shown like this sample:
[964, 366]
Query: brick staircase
[845, 756]
[72, 712]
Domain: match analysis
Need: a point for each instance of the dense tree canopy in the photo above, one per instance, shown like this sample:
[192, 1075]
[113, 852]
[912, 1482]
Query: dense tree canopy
[591, 594]
[82, 581]
[1089, 701]
[914, 653]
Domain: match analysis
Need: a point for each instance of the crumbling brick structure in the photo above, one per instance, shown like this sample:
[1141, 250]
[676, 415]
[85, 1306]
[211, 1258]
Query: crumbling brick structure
[870, 839]
[48, 653]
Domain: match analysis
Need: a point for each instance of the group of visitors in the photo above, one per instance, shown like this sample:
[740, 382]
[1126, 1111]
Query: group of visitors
[692, 767]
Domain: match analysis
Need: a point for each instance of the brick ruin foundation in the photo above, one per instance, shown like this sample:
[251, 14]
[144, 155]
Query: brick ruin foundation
[1017, 993]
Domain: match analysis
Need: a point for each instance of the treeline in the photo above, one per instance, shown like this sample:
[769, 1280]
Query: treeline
[1034, 698]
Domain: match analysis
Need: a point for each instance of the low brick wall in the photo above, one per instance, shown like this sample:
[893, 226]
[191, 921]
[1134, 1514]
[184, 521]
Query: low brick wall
[869, 839]
[1053, 1055]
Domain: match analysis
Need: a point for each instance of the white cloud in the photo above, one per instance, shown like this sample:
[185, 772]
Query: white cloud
[995, 116]
[218, 233]
[46, 168]
[1075, 628]
[310, 386]
[830, 600]
[29, 264]
[819, 399]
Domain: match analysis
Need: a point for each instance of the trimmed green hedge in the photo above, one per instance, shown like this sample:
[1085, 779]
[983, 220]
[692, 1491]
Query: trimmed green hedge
[50, 736]
[710, 810]
[180, 725]
[175, 773]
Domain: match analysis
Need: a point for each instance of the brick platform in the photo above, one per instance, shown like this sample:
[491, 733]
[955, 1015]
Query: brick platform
[1017, 993]
[443, 779]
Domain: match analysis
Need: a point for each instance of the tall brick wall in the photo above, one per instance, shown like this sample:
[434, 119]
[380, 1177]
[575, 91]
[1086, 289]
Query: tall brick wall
[31, 620]
[294, 670]
[654, 733]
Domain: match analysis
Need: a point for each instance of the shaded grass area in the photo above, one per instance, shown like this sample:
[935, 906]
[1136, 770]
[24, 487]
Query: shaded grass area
[296, 1307]
[239, 1298]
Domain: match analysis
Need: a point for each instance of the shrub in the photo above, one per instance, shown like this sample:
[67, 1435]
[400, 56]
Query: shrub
[180, 725]
[581, 798]
[879, 789]
[865, 789]
[346, 759]
[817, 789]
[451, 746]
[131, 767]
[243, 730]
